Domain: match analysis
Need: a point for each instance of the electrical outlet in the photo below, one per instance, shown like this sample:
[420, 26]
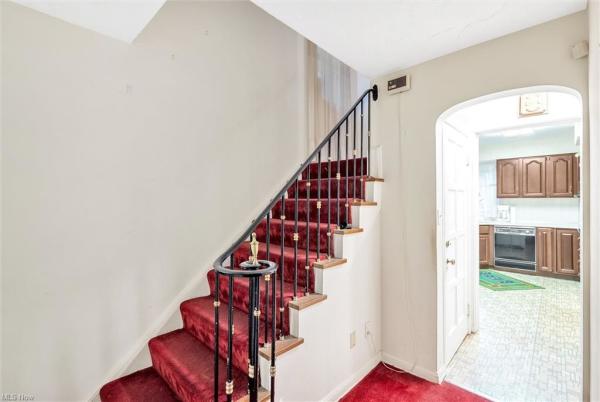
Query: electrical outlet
[352, 339]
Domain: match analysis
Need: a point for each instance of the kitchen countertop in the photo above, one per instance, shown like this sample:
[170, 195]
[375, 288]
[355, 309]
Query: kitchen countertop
[533, 224]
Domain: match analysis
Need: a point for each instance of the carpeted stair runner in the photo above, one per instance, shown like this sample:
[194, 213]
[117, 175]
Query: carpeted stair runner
[182, 360]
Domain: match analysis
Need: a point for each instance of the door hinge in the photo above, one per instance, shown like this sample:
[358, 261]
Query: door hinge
[468, 310]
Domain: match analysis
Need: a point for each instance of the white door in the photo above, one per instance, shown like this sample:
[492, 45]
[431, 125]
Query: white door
[456, 204]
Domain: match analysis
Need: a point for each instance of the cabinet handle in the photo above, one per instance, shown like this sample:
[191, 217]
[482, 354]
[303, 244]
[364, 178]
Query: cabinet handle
[450, 261]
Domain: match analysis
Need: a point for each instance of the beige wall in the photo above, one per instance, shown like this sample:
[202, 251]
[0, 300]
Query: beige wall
[594, 283]
[126, 169]
[404, 126]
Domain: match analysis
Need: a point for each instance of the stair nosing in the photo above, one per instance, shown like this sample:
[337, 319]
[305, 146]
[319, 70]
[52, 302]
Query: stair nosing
[349, 231]
[309, 300]
[291, 343]
[330, 263]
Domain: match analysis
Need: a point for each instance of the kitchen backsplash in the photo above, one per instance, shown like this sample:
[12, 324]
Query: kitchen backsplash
[543, 211]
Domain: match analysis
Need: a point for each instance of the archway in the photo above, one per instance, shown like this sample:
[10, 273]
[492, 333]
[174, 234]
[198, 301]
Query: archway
[448, 262]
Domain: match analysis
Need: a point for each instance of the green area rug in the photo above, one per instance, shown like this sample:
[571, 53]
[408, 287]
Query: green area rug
[496, 281]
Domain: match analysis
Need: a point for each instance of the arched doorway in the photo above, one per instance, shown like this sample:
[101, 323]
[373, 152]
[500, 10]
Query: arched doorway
[474, 343]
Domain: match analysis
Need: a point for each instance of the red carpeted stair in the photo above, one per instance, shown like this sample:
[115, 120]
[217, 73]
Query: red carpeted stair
[312, 207]
[182, 360]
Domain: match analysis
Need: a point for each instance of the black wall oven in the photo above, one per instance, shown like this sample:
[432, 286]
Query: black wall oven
[514, 247]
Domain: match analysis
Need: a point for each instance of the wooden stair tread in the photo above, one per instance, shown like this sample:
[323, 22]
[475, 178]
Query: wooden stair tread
[371, 178]
[329, 263]
[363, 203]
[348, 231]
[281, 346]
[263, 396]
[306, 301]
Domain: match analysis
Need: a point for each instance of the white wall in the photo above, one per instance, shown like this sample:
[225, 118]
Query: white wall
[593, 285]
[404, 126]
[126, 169]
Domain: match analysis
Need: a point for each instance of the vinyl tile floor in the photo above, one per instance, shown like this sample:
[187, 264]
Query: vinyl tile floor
[528, 347]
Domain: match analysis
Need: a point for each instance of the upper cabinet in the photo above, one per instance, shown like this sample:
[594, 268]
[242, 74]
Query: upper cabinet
[508, 173]
[576, 176]
[559, 175]
[534, 177]
[539, 176]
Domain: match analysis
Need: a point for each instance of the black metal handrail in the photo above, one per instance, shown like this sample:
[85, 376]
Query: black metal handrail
[218, 264]
[268, 270]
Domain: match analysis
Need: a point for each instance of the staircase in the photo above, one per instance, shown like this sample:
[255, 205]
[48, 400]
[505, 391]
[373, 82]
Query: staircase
[255, 283]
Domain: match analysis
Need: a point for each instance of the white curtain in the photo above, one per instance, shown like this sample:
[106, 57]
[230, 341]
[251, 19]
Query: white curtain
[332, 88]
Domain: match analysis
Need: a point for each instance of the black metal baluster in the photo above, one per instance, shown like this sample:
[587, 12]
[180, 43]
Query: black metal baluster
[318, 239]
[216, 304]
[256, 329]
[296, 239]
[338, 178]
[307, 266]
[369, 134]
[252, 372]
[273, 326]
[362, 183]
[347, 162]
[250, 335]
[267, 277]
[281, 306]
[329, 199]
[354, 155]
[230, 329]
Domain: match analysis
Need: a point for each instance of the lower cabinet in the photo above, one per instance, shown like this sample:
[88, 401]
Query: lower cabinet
[545, 245]
[567, 251]
[557, 251]
[486, 245]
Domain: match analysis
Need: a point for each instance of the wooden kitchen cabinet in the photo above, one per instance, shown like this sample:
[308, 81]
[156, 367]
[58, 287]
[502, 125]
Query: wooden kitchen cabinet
[538, 177]
[533, 174]
[559, 176]
[486, 246]
[508, 174]
[545, 244]
[567, 251]
[576, 177]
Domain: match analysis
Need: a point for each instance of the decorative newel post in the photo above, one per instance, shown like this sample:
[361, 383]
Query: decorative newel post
[253, 318]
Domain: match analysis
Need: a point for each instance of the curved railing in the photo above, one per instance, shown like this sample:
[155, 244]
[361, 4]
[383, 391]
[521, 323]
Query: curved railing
[256, 269]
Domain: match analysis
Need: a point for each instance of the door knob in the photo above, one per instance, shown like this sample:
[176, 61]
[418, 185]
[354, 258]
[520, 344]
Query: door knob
[450, 261]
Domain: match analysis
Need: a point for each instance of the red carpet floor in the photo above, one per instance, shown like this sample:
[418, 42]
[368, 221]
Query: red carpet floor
[383, 384]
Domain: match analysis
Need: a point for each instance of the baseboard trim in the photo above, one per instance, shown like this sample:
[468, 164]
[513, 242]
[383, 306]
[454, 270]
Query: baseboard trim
[351, 381]
[119, 369]
[411, 368]
[441, 373]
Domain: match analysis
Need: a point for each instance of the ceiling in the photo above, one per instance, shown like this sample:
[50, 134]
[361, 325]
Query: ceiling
[377, 37]
[499, 116]
[122, 20]
[540, 133]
